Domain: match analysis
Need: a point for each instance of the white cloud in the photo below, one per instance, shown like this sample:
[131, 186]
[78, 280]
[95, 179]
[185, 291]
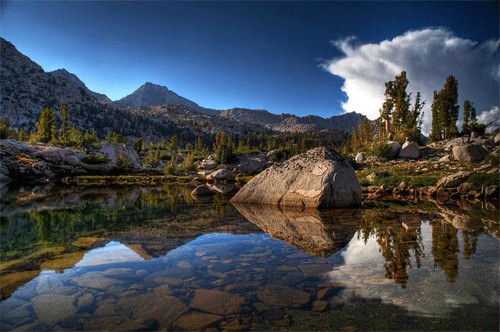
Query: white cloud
[428, 56]
[492, 116]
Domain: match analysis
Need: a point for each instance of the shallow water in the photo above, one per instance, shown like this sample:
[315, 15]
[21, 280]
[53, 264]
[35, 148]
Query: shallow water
[102, 258]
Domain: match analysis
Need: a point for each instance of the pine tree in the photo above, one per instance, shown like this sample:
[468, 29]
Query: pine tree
[4, 127]
[449, 107]
[46, 127]
[436, 118]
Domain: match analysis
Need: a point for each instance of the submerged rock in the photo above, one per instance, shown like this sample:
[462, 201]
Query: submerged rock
[318, 178]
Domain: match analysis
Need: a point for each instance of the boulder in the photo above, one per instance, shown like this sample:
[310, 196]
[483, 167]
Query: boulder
[474, 135]
[491, 192]
[208, 164]
[319, 178]
[469, 152]
[221, 175]
[409, 150]
[454, 180]
[250, 165]
[360, 156]
[395, 146]
[114, 150]
[272, 154]
[202, 191]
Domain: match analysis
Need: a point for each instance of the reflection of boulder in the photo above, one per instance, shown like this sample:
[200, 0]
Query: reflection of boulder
[305, 230]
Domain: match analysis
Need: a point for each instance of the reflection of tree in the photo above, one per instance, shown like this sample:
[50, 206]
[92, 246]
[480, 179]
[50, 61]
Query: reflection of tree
[396, 243]
[222, 206]
[445, 249]
[100, 214]
[470, 241]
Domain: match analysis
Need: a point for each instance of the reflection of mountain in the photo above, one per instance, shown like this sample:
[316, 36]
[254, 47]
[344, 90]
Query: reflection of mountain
[306, 230]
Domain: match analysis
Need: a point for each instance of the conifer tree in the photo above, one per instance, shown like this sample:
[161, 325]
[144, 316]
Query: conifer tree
[46, 127]
[436, 119]
[449, 107]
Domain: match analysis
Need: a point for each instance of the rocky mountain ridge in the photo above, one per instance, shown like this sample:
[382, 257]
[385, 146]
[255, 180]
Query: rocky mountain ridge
[27, 89]
[73, 78]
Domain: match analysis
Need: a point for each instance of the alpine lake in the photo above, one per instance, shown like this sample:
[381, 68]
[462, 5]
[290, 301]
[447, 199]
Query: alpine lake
[154, 258]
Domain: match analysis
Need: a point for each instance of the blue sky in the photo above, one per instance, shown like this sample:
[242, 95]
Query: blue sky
[278, 56]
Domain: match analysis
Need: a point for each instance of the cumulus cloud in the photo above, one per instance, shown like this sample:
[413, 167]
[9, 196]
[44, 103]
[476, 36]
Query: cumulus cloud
[428, 56]
[492, 116]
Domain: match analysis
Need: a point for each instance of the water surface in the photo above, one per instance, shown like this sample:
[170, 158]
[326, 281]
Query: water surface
[130, 258]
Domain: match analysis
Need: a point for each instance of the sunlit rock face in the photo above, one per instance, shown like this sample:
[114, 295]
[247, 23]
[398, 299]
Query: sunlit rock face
[319, 178]
[305, 230]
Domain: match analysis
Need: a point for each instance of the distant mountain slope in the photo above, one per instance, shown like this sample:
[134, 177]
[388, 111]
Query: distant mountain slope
[73, 78]
[290, 122]
[153, 94]
[26, 89]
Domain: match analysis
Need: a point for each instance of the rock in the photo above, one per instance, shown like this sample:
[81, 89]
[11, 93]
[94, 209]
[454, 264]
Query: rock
[373, 176]
[464, 187]
[202, 191]
[166, 309]
[95, 280]
[409, 150]
[252, 164]
[497, 139]
[208, 164]
[447, 158]
[395, 146]
[469, 152]
[216, 302]
[491, 192]
[272, 154]
[221, 175]
[52, 308]
[474, 135]
[4, 173]
[319, 305]
[403, 185]
[318, 178]
[454, 180]
[196, 321]
[222, 187]
[284, 296]
[360, 156]
[114, 150]
[85, 300]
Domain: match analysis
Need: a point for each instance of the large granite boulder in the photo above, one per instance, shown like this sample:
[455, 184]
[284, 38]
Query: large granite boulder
[318, 178]
[221, 175]
[409, 150]
[469, 152]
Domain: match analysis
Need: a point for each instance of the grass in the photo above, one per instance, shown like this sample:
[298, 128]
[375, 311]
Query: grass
[479, 180]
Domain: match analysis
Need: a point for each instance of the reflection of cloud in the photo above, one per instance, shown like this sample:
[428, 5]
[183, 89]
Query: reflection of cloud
[428, 291]
[428, 56]
[113, 252]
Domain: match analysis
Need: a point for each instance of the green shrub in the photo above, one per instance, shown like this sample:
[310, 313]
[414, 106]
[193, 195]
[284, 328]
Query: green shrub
[480, 180]
[171, 167]
[95, 159]
[381, 150]
[123, 164]
[493, 158]
[188, 165]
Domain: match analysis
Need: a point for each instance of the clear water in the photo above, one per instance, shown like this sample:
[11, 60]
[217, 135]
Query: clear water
[100, 258]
